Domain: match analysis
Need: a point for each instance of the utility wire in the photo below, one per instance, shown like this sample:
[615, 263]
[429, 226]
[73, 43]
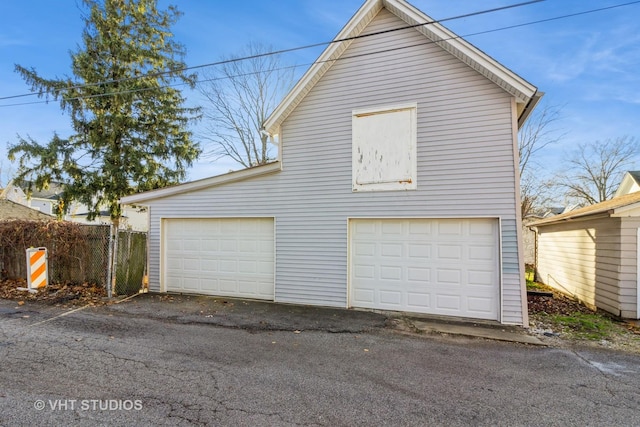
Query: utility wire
[278, 52]
[336, 59]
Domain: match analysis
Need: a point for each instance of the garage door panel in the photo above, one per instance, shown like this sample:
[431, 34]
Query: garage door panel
[436, 266]
[450, 229]
[365, 249]
[210, 266]
[419, 250]
[481, 253]
[365, 272]
[480, 278]
[450, 303]
[220, 256]
[364, 296]
[390, 272]
[450, 252]
[479, 305]
[392, 229]
[391, 249]
[479, 228]
[418, 301]
[423, 228]
[419, 275]
[393, 298]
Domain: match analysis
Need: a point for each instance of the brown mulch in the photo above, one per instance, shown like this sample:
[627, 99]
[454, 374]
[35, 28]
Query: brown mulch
[556, 304]
[64, 294]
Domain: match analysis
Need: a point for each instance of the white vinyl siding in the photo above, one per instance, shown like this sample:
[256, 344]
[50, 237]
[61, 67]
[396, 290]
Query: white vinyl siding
[629, 283]
[594, 260]
[384, 149]
[465, 166]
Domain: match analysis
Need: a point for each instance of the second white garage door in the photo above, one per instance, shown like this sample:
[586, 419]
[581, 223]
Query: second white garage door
[220, 256]
[434, 266]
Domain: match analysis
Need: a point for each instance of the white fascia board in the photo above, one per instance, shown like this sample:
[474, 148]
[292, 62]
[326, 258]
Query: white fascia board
[463, 50]
[522, 90]
[353, 28]
[626, 211]
[140, 198]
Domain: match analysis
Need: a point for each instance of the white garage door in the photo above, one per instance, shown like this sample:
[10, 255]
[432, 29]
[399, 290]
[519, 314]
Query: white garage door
[221, 256]
[434, 266]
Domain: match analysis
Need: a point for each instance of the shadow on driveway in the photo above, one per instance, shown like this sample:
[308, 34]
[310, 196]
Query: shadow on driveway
[250, 314]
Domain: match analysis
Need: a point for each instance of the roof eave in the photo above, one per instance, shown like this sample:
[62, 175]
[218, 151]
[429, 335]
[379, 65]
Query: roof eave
[354, 27]
[528, 108]
[552, 221]
[523, 91]
[187, 187]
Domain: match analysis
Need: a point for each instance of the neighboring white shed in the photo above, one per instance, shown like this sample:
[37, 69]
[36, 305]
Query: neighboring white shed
[592, 254]
[369, 203]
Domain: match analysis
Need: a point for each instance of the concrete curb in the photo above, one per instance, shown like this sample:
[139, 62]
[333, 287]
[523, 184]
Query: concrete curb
[497, 333]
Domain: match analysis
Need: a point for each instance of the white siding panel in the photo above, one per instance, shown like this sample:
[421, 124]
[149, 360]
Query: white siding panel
[464, 156]
[582, 259]
[628, 278]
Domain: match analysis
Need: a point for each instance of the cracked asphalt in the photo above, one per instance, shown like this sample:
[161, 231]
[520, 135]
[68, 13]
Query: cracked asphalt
[155, 361]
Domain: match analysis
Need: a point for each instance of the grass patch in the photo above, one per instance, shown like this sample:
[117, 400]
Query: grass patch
[532, 285]
[535, 286]
[593, 327]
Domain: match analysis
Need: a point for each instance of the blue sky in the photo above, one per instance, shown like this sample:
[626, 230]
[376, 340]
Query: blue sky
[589, 65]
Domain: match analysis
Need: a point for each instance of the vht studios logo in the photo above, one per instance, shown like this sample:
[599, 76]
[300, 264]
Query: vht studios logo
[88, 405]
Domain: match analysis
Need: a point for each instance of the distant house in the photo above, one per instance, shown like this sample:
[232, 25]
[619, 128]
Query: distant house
[133, 218]
[630, 184]
[45, 200]
[369, 203]
[13, 193]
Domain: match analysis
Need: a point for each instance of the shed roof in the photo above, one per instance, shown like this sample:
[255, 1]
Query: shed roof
[187, 187]
[525, 93]
[610, 207]
[12, 210]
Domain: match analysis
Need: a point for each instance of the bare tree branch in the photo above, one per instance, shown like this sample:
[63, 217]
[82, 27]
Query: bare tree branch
[538, 132]
[239, 97]
[596, 169]
[535, 194]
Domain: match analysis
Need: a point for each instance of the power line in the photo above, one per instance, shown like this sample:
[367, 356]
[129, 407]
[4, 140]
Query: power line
[336, 59]
[278, 52]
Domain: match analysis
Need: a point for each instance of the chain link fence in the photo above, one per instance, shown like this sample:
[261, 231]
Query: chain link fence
[77, 253]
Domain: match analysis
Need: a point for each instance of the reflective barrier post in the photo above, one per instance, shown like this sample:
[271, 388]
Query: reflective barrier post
[37, 268]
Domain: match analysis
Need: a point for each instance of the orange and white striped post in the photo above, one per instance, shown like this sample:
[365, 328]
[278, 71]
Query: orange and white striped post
[37, 268]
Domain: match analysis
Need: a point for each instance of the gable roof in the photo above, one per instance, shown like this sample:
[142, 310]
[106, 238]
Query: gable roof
[12, 210]
[609, 207]
[635, 175]
[525, 93]
[628, 180]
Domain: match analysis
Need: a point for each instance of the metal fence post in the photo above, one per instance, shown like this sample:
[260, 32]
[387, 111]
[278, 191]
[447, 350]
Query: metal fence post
[110, 263]
[114, 268]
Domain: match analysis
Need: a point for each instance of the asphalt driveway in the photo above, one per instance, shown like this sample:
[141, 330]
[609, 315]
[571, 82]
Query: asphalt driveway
[155, 361]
